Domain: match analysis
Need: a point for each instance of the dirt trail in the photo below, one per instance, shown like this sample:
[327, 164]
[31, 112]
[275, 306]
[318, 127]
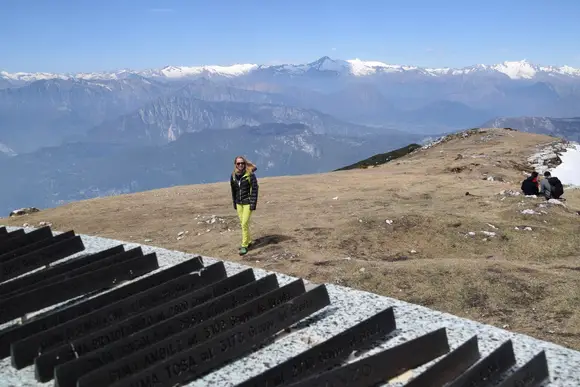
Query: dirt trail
[405, 230]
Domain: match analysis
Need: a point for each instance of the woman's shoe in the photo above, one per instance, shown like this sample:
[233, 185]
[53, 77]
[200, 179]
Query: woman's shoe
[243, 250]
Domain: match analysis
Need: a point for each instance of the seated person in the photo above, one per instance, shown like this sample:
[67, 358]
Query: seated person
[551, 187]
[530, 185]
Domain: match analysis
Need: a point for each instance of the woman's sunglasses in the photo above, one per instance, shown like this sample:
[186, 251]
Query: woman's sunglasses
[240, 163]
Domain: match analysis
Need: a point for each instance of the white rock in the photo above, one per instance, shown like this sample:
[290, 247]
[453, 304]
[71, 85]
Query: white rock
[528, 228]
[180, 233]
[492, 226]
[557, 202]
[488, 233]
[516, 228]
[471, 233]
[335, 198]
[388, 221]
[528, 212]
[362, 269]
[147, 240]
[413, 251]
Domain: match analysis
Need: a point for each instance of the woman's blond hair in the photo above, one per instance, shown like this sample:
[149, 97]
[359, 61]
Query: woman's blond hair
[250, 167]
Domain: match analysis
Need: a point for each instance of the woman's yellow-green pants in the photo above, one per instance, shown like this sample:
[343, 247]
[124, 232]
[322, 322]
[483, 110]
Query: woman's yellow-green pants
[244, 214]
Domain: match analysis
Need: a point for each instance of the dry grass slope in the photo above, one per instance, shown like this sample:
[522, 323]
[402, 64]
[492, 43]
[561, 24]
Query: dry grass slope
[525, 281]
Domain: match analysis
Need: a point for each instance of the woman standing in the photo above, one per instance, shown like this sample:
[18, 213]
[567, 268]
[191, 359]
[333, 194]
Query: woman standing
[244, 186]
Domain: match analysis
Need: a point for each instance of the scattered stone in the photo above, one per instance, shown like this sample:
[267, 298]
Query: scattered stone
[471, 233]
[529, 212]
[148, 240]
[509, 192]
[556, 202]
[459, 156]
[527, 228]
[362, 269]
[44, 223]
[24, 211]
[492, 226]
[335, 198]
[488, 233]
[388, 221]
[25, 225]
[490, 178]
[413, 251]
[180, 233]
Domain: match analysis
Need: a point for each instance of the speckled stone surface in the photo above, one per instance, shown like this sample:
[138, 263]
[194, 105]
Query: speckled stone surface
[348, 307]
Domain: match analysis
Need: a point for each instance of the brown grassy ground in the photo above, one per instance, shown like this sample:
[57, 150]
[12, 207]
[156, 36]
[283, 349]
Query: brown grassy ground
[525, 281]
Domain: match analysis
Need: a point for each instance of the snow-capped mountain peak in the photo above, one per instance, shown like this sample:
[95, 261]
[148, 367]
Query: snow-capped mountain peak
[225, 71]
[517, 70]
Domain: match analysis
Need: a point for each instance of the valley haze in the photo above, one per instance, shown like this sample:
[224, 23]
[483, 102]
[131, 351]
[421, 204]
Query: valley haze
[67, 137]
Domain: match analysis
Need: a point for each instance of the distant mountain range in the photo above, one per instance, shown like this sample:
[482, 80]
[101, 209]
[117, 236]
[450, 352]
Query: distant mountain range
[56, 127]
[354, 67]
[568, 128]
[81, 170]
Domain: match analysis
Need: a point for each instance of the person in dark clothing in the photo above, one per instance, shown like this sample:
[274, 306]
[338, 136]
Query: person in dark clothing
[551, 187]
[530, 185]
[244, 185]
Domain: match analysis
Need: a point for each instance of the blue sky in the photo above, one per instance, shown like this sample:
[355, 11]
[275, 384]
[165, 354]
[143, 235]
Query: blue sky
[94, 35]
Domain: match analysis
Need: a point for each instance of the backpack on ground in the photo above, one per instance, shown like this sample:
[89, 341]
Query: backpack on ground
[557, 189]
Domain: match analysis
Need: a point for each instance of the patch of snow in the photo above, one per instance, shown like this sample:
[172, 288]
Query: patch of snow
[6, 150]
[568, 172]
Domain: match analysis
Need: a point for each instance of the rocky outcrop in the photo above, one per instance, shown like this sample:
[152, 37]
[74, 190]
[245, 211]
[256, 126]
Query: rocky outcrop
[24, 211]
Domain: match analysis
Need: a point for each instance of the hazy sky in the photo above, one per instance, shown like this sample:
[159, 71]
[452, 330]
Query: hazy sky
[93, 35]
